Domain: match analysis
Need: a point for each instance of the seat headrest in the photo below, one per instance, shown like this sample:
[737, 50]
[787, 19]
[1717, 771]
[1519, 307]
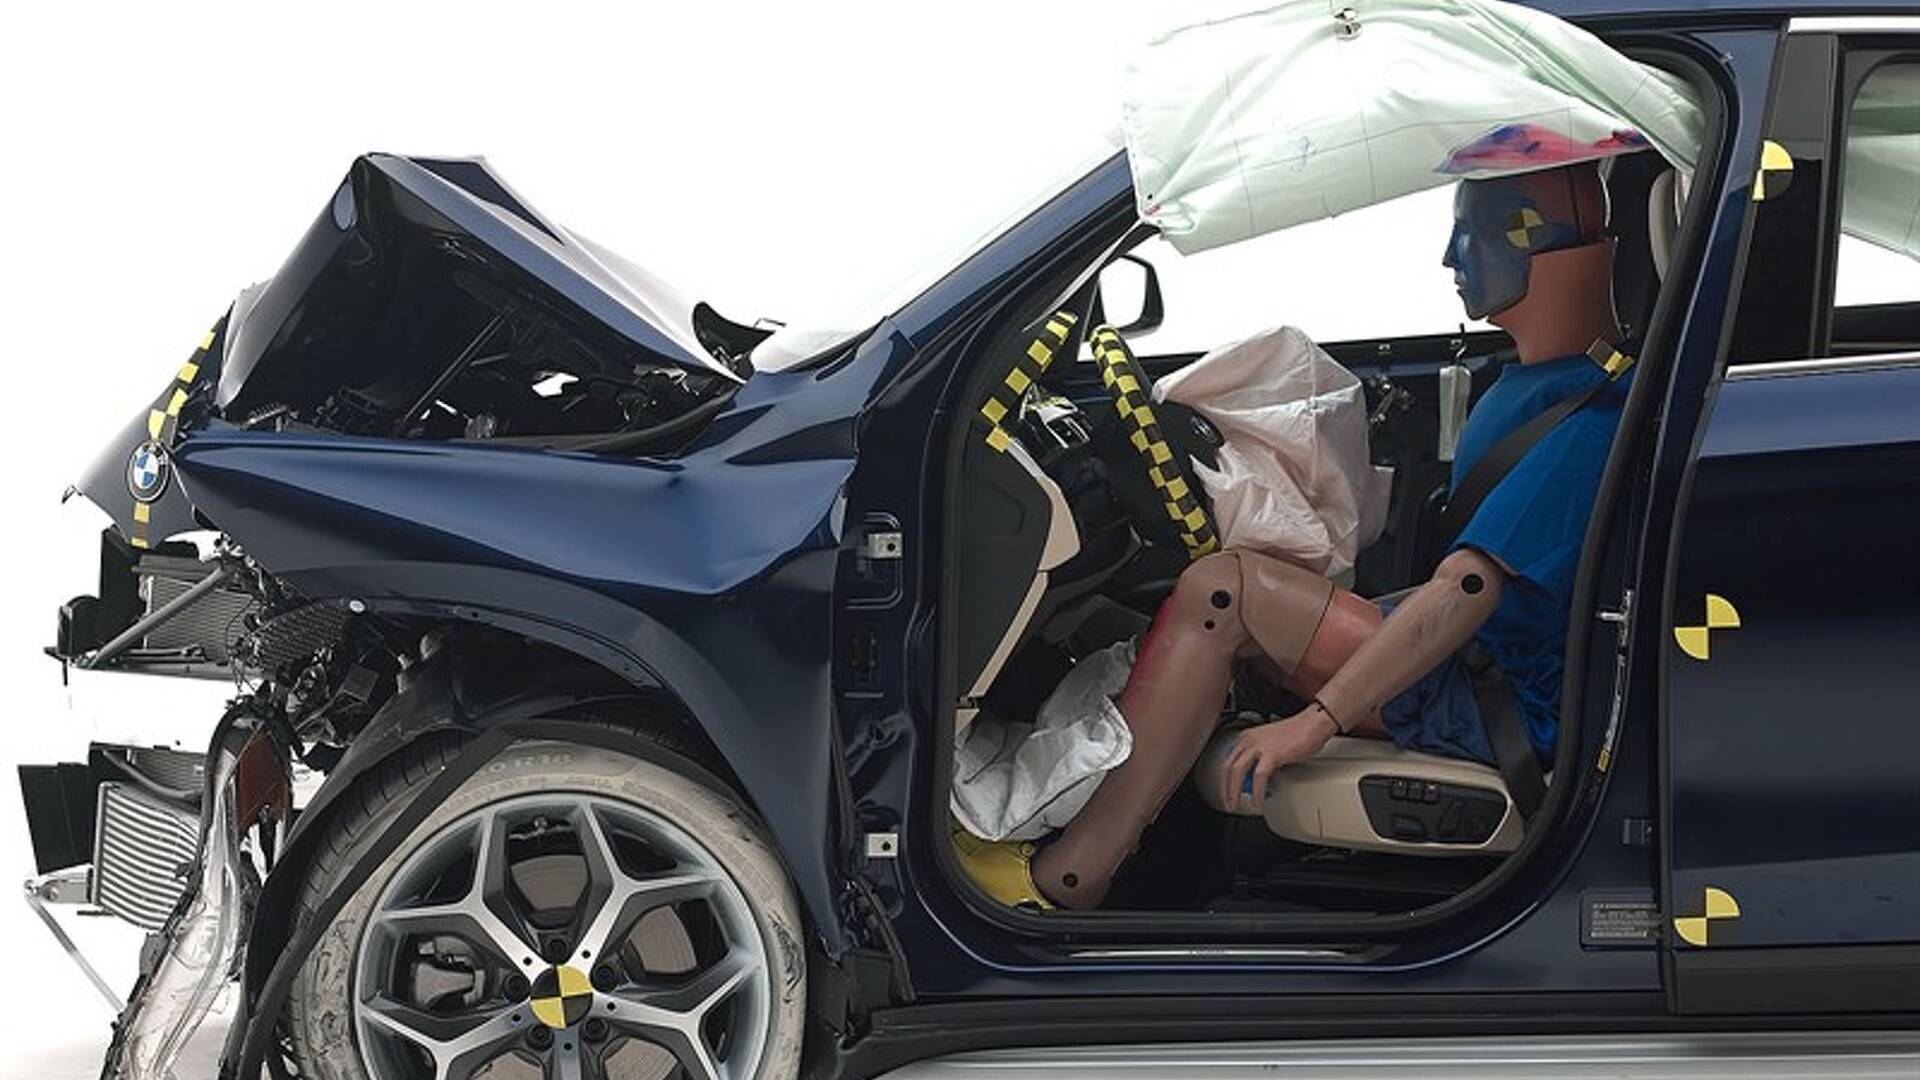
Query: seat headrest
[1666, 196]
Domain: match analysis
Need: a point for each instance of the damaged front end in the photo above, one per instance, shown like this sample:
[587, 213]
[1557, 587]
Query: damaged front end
[248, 792]
[427, 302]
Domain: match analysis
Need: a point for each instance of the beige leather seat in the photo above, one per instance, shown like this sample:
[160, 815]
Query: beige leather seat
[1371, 795]
[1666, 199]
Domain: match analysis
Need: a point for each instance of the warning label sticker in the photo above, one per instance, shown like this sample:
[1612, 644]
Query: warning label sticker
[1619, 918]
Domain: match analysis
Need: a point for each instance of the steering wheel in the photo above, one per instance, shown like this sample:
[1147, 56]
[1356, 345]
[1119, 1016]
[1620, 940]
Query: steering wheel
[1179, 512]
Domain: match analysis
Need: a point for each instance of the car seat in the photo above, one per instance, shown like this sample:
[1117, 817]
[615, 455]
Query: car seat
[1371, 795]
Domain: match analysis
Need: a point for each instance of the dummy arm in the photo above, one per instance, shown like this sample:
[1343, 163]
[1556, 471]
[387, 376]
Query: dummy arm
[1432, 623]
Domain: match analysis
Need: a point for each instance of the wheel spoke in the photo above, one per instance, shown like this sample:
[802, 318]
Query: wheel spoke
[469, 919]
[617, 898]
[472, 915]
[461, 885]
[457, 1044]
[581, 1063]
[675, 1017]
[697, 996]
[488, 895]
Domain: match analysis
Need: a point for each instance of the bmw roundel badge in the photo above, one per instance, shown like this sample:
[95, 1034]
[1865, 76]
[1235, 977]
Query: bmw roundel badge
[147, 472]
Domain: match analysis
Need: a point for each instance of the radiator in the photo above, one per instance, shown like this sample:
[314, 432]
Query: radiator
[143, 854]
[213, 622]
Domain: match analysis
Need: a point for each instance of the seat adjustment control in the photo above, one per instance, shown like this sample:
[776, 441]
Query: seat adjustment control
[1412, 809]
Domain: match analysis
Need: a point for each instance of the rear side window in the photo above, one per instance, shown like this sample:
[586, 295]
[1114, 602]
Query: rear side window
[1878, 261]
[1833, 256]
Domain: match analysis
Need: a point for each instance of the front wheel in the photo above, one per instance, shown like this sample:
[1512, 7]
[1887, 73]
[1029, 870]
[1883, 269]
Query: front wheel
[569, 912]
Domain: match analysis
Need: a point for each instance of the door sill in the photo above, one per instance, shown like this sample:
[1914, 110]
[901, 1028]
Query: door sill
[1758, 1056]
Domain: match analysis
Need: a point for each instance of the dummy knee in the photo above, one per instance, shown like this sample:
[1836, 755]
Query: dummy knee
[1243, 603]
[1207, 601]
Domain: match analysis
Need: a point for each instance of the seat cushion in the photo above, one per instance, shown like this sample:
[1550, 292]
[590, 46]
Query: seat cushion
[1371, 795]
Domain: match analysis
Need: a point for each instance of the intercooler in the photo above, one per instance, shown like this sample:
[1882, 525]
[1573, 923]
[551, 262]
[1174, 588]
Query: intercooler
[143, 854]
[140, 808]
[146, 833]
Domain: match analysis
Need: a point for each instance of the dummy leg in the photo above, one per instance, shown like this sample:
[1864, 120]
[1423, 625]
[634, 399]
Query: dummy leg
[1346, 624]
[1225, 606]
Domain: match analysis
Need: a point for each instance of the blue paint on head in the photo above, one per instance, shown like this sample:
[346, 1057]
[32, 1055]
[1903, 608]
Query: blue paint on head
[1497, 229]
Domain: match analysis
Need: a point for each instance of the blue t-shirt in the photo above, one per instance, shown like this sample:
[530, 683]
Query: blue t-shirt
[1535, 520]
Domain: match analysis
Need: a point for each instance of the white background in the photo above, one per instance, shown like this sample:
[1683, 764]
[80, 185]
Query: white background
[159, 157]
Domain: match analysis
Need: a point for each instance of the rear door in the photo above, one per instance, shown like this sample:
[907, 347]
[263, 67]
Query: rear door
[1793, 667]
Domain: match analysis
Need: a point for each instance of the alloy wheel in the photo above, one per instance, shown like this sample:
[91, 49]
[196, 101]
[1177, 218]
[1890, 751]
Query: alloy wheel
[566, 936]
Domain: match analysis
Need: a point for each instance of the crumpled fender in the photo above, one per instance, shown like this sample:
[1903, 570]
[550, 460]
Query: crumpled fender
[459, 692]
[710, 574]
[474, 688]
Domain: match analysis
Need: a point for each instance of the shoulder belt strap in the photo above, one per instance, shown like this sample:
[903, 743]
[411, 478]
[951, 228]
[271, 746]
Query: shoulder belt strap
[1498, 461]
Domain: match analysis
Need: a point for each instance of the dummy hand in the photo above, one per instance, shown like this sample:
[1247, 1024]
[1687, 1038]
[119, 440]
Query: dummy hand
[1260, 750]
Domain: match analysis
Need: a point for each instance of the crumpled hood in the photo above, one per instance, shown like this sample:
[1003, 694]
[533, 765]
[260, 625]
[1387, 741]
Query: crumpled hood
[344, 292]
[402, 242]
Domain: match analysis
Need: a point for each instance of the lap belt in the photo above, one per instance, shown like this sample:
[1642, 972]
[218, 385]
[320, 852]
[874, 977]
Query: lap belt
[1500, 715]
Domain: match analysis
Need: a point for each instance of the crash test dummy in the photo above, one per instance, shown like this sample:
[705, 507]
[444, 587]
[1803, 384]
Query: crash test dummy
[1529, 253]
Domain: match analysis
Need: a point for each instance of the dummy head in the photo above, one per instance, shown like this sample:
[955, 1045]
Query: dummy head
[1529, 254]
[1501, 224]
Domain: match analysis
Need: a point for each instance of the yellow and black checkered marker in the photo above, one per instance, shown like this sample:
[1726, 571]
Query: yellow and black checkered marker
[1697, 641]
[1611, 360]
[1120, 373]
[562, 997]
[1005, 396]
[1716, 905]
[163, 421]
[1526, 228]
[1776, 172]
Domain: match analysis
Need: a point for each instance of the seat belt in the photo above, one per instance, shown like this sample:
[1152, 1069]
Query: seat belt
[1499, 711]
[1500, 716]
[1498, 461]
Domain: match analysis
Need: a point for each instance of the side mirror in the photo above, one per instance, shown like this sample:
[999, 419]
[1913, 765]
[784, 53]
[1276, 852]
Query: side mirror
[1129, 296]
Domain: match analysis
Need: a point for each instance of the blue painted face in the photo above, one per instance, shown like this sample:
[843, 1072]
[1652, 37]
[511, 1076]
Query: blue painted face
[1497, 229]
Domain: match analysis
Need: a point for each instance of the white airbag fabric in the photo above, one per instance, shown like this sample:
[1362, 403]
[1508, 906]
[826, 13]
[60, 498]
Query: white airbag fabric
[1021, 781]
[1265, 120]
[1295, 480]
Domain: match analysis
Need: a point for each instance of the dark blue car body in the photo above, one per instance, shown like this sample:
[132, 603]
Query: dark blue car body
[730, 579]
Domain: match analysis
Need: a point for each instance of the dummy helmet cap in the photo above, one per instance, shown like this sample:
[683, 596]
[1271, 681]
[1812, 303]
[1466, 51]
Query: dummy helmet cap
[1501, 223]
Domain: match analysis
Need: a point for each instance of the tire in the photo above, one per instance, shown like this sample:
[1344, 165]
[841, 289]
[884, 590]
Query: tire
[331, 1040]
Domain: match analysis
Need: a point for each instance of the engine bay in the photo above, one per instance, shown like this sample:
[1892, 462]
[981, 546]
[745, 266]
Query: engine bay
[428, 301]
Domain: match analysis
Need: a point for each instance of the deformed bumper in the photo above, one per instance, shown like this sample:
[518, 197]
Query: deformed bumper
[200, 945]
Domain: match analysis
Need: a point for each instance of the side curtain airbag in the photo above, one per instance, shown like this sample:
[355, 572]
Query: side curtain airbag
[1261, 121]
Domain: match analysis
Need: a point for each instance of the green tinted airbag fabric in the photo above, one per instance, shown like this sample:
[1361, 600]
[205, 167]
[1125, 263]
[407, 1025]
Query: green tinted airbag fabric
[1244, 125]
